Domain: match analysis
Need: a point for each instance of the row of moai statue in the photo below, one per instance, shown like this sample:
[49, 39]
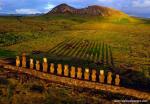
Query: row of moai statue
[73, 74]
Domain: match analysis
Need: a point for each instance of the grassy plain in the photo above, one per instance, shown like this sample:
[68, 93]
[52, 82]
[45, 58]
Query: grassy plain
[129, 37]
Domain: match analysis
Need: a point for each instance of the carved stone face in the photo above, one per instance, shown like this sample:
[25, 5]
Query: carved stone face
[79, 69]
[87, 70]
[117, 76]
[73, 68]
[31, 60]
[23, 54]
[45, 60]
[37, 62]
[93, 71]
[59, 66]
[66, 66]
[101, 72]
[52, 65]
[110, 73]
[17, 57]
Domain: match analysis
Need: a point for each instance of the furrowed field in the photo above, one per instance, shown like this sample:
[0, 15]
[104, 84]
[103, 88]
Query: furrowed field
[117, 44]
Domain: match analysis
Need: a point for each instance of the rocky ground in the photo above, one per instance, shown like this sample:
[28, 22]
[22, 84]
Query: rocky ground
[32, 90]
[37, 91]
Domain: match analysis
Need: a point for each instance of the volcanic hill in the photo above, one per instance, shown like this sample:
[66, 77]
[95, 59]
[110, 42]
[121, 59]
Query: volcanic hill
[93, 10]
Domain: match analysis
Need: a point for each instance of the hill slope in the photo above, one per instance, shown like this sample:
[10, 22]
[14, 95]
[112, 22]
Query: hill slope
[93, 10]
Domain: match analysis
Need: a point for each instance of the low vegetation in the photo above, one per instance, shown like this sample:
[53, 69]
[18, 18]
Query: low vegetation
[40, 92]
[126, 40]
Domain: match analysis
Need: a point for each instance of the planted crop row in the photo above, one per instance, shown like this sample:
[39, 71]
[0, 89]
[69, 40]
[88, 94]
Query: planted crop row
[87, 50]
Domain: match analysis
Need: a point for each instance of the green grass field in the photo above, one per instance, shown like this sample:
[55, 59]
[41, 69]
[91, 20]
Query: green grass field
[125, 41]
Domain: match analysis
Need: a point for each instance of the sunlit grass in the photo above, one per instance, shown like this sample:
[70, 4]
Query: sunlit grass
[128, 37]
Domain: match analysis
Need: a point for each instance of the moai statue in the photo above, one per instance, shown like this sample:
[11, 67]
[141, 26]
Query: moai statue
[17, 61]
[86, 74]
[52, 69]
[101, 76]
[31, 64]
[72, 72]
[109, 78]
[66, 70]
[37, 65]
[79, 73]
[59, 69]
[94, 75]
[24, 60]
[45, 65]
[117, 80]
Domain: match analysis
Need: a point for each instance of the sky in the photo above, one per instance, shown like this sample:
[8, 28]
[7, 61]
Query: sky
[140, 8]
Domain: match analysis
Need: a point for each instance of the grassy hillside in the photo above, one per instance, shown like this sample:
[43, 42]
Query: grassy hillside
[128, 37]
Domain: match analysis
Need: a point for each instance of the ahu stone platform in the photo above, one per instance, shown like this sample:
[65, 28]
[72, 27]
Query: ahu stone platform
[80, 83]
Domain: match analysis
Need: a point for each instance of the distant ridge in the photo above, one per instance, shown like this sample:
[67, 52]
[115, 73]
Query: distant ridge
[93, 10]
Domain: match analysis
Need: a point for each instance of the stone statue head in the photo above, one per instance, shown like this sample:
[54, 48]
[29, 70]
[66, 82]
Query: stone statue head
[66, 66]
[72, 67]
[94, 71]
[59, 66]
[109, 73]
[23, 54]
[117, 75]
[79, 69]
[45, 60]
[87, 70]
[31, 60]
[101, 72]
[52, 64]
[17, 57]
[37, 62]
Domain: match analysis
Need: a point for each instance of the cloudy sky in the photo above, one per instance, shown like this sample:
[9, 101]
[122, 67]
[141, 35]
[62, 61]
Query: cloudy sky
[139, 8]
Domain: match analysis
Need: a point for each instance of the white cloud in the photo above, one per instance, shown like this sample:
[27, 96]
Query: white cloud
[49, 6]
[27, 11]
[141, 4]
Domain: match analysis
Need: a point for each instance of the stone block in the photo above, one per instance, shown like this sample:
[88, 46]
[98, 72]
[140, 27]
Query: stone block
[59, 69]
[37, 65]
[86, 74]
[24, 60]
[31, 64]
[117, 80]
[17, 61]
[66, 70]
[79, 73]
[45, 65]
[52, 69]
[72, 72]
[94, 75]
[101, 76]
[109, 78]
